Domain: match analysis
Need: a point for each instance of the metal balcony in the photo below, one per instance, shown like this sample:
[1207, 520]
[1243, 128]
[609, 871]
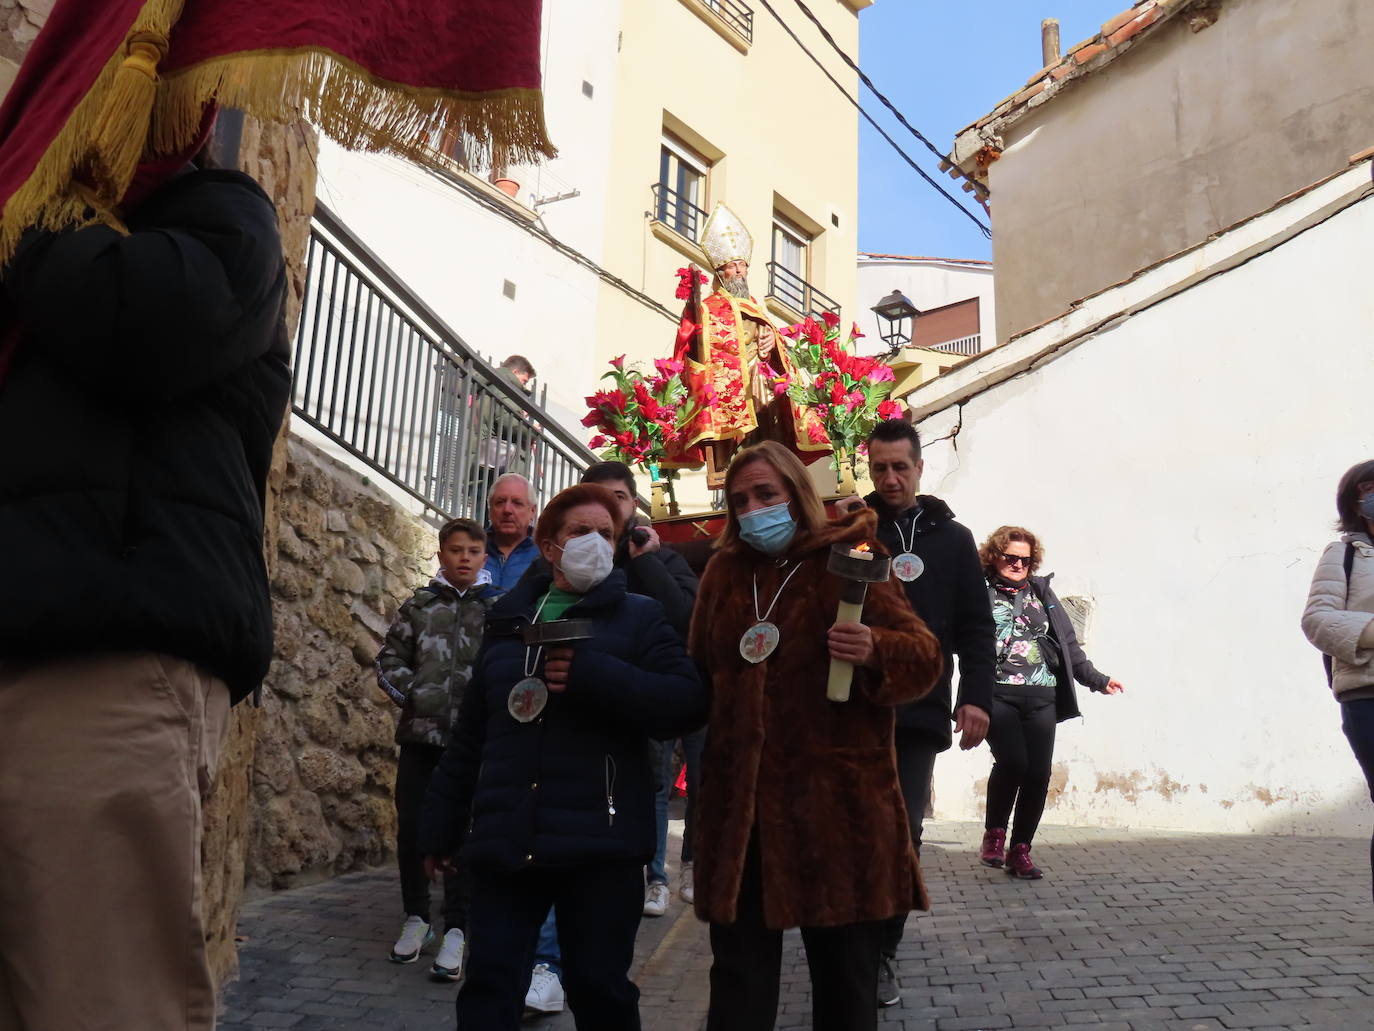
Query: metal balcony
[678, 213]
[797, 293]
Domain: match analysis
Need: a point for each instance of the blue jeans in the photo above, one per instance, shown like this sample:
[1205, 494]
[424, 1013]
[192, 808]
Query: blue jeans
[667, 777]
[546, 951]
[1357, 720]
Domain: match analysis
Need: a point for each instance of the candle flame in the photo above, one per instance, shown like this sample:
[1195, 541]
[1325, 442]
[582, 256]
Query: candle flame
[863, 547]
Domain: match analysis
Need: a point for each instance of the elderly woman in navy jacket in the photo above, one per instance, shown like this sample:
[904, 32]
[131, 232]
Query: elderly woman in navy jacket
[546, 785]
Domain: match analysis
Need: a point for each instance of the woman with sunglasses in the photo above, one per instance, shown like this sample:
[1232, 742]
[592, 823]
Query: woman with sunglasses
[1038, 659]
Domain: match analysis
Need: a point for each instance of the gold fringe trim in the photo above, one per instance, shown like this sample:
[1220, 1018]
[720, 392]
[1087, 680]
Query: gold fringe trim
[357, 109]
[121, 120]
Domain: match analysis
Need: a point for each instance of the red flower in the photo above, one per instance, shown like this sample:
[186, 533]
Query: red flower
[890, 410]
[597, 441]
[619, 363]
[592, 419]
[854, 333]
[813, 332]
[831, 319]
[816, 433]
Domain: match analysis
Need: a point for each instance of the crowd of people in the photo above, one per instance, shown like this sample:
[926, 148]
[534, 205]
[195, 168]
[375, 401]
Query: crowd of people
[604, 665]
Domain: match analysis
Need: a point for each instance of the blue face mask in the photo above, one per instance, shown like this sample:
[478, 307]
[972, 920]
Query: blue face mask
[769, 530]
[1367, 507]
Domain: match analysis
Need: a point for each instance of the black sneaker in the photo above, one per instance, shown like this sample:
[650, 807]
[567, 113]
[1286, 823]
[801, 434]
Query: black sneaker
[888, 995]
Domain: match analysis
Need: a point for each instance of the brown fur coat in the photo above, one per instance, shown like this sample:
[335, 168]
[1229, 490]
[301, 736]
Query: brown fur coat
[817, 778]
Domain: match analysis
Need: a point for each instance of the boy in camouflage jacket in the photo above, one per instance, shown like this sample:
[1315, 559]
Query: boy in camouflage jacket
[423, 666]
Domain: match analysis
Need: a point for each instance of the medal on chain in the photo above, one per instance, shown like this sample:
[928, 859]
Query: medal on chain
[907, 566]
[761, 639]
[529, 696]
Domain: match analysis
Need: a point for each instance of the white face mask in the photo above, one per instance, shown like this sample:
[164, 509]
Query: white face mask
[587, 560]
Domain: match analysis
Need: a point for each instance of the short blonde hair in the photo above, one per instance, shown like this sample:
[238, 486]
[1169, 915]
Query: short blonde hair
[808, 508]
[996, 545]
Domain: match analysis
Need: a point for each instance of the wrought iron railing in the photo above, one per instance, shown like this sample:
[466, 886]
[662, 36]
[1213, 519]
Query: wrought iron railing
[677, 212]
[738, 16]
[384, 378]
[969, 345]
[797, 293]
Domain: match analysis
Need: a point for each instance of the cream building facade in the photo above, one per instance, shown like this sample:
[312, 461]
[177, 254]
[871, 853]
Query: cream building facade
[660, 109]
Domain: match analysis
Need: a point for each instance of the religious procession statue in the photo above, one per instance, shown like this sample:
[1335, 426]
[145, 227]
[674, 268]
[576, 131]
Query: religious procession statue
[733, 362]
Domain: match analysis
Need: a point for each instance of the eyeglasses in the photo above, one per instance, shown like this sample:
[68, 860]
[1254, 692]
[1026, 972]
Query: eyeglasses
[1017, 560]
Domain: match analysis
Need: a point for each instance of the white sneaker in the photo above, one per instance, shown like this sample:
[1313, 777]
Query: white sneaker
[686, 890]
[448, 964]
[415, 935]
[546, 991]
[656, 899]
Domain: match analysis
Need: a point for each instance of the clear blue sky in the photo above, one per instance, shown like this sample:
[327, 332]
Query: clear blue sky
[943, 65]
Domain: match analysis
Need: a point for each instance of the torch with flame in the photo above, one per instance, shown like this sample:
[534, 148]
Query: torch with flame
[859, 566]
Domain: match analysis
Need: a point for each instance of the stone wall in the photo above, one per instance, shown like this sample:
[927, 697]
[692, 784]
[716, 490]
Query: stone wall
[325, 761]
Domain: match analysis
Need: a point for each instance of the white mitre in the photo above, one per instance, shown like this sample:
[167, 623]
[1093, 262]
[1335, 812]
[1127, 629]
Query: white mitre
[725, 239]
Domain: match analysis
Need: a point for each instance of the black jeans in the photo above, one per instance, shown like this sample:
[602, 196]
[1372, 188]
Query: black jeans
[916, 752]
[413, 769]
[598, 909]
[1357, 720]
[1021, 737]
[747, 964]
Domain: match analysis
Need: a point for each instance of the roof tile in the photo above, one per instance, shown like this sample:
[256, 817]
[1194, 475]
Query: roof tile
[1086, 54]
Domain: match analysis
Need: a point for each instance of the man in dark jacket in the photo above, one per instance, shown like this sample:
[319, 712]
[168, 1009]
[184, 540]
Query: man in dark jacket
[149, 379]
[945, 586]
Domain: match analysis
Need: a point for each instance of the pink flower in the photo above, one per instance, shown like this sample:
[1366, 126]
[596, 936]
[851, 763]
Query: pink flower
[667, 368]
[854, 333]
[881, 373]
[619, 363]
[890, 410]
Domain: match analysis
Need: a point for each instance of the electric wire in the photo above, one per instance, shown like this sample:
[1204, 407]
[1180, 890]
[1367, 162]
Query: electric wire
[880, 130]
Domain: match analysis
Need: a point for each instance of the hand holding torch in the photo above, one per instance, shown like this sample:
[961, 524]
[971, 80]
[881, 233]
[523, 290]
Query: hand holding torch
[859, 567]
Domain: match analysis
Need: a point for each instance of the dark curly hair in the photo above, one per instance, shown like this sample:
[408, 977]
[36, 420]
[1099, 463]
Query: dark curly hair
[996, 545]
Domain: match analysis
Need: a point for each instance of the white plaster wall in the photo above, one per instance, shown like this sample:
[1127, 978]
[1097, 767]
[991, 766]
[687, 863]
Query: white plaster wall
[1181, 468]
[929, 284]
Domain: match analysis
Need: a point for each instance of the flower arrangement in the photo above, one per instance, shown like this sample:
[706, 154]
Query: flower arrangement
[847, 392]
[641, 417]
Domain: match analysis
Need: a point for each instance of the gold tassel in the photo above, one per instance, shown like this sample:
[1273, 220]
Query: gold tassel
[122, 130]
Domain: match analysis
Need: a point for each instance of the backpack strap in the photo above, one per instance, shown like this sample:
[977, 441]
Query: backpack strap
[1348, 564]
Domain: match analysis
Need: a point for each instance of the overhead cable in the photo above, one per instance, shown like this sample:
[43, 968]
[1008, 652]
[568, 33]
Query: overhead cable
[869, 118]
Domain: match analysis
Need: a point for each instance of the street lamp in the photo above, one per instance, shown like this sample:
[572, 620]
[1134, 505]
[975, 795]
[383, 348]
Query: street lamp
[896, 319]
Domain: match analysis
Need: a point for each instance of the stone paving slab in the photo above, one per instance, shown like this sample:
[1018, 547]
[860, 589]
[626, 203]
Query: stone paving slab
[1130, 930]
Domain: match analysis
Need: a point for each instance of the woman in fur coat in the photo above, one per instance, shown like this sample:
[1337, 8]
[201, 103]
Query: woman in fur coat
[800, 818]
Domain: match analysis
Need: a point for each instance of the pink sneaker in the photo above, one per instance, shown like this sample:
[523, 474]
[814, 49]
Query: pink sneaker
[1019, 864]
[994, 851]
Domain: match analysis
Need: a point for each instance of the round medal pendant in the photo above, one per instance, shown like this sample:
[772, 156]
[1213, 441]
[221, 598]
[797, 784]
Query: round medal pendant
[759, 642]
[907, 567]
[527, 699]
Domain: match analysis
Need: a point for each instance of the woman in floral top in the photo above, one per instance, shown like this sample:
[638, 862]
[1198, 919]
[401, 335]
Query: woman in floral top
[1038, 659]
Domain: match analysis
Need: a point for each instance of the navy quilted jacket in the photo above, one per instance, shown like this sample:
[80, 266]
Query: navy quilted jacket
[575, 785]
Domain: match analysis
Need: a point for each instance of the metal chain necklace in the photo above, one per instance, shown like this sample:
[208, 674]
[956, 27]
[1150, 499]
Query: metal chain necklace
[761, 639]
[528, 698]
[907, 566]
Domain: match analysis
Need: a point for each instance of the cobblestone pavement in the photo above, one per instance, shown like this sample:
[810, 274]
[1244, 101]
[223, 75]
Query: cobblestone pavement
[1129, 931]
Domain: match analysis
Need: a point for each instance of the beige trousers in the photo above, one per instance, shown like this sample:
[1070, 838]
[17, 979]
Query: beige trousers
[104, 760]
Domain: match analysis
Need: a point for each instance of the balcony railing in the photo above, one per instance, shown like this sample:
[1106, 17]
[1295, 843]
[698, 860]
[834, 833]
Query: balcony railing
[383, 377]
[969, 345]
[797, 293]
[738, 16]
[677, 212]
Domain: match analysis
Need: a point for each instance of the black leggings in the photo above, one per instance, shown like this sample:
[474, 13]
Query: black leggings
[1021, 737]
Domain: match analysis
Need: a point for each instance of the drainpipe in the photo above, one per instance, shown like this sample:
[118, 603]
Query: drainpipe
[1049, 41]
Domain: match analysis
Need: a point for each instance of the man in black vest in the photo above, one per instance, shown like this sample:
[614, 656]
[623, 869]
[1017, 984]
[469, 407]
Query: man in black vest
[937, 561]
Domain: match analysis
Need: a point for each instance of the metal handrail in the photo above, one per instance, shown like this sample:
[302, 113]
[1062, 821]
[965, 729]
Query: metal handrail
[797, 293]
[380, 374]
[968, 345]
[677, 212]
[738, 16]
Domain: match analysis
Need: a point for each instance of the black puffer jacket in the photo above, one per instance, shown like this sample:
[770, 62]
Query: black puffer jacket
[136, 431]
[951, 597]
[540, 793]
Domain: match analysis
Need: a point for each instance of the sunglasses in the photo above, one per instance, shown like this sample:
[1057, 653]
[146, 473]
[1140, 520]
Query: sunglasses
[1017, 560]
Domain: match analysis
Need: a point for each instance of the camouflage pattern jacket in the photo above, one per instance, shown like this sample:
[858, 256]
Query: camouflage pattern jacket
[427, 658]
